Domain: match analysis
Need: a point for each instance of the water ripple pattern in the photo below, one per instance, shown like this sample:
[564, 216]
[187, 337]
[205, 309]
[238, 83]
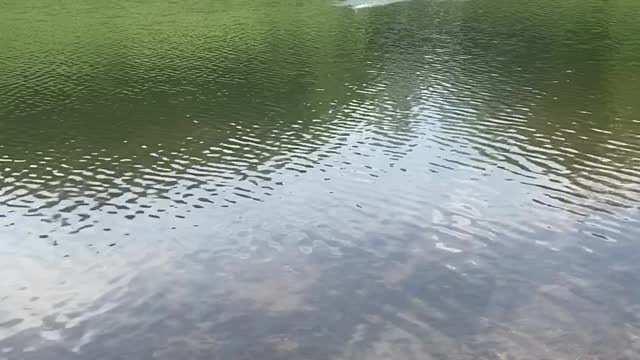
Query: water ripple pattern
[285, 179]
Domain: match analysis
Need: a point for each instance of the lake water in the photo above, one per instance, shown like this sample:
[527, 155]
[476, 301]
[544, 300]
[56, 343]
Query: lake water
[311, 179]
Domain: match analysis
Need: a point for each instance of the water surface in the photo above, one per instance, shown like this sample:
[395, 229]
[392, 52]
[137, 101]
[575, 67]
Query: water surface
[298, 180]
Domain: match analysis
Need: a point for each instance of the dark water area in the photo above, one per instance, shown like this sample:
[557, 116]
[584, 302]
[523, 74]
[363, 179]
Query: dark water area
[306, 179]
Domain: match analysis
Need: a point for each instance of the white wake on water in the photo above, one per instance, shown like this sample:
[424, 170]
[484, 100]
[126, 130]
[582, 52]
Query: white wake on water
[362, 4]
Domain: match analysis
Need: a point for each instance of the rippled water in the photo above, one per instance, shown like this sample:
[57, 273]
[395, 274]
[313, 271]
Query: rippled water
[301, 180]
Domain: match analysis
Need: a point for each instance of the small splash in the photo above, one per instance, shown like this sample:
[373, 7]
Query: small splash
[362, 4]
